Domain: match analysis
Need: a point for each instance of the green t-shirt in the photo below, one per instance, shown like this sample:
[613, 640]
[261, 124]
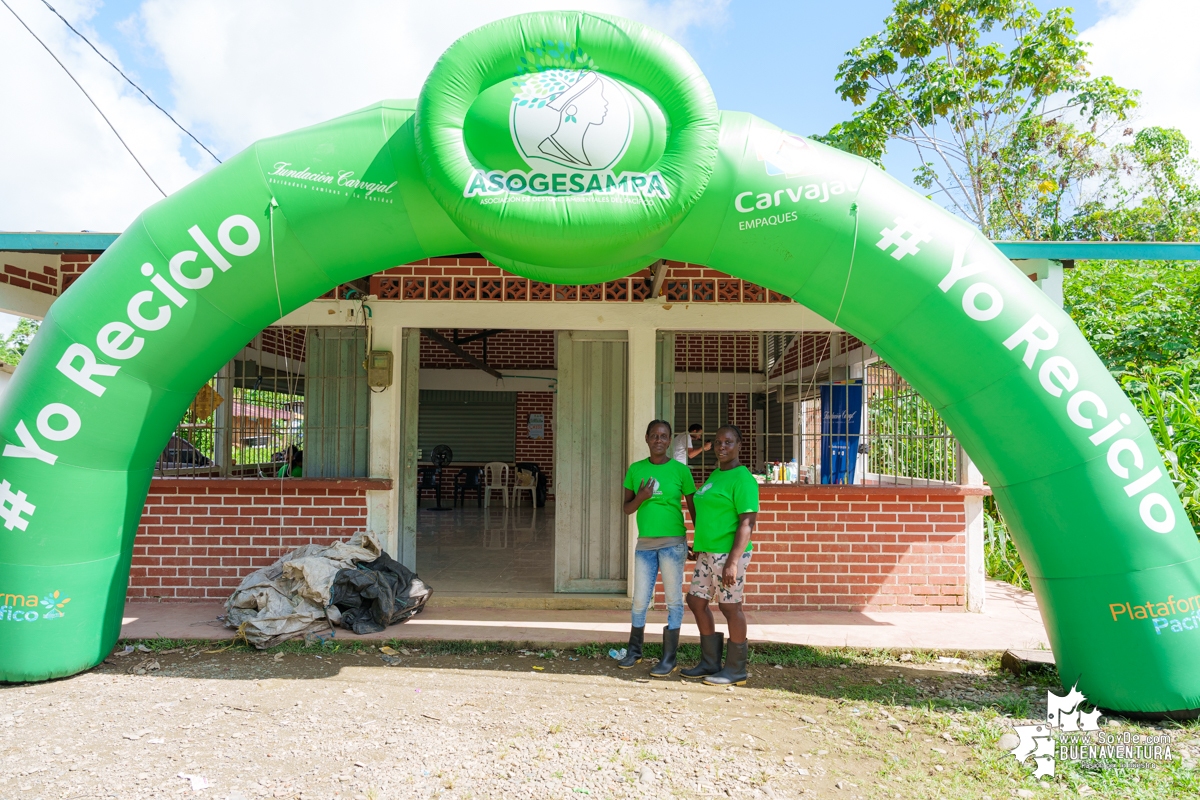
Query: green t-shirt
[726, 494]
[662, 514]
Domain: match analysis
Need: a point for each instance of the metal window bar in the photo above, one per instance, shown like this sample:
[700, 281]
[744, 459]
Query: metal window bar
[813, 407]
[250, 418]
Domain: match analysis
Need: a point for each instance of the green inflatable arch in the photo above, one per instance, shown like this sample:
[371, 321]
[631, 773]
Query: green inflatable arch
[575, 148]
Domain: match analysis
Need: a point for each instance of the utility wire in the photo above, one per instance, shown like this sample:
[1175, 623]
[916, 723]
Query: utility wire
[85, 94]
[131, 83]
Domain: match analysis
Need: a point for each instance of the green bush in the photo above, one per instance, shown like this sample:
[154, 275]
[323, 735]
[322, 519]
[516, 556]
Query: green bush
[1168, 397]
[1000, 557]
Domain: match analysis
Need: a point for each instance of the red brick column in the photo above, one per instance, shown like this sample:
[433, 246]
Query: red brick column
[538, 451]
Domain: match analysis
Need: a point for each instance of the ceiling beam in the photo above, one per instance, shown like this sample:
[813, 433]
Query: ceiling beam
[660, 274]
[436, 337]
[478, 336]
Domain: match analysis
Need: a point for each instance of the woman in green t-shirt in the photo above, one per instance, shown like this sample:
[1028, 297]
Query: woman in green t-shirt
[655, 488]
[726, 510]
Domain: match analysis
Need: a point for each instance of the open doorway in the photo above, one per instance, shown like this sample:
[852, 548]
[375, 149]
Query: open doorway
[485, 461]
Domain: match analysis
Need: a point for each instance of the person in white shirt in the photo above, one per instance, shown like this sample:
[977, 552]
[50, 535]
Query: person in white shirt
[690, 444]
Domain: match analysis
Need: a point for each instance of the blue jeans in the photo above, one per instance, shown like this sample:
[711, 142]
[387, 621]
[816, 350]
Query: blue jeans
[647, 565]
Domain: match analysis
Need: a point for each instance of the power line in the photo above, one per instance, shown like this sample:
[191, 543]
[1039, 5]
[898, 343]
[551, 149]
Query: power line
[85, 94]
[130, 82]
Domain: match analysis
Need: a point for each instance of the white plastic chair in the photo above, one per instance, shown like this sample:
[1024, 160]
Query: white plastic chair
[495, 476]
[525, 482]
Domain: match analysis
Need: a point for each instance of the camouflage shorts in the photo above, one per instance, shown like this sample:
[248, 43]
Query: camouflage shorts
[706, 580]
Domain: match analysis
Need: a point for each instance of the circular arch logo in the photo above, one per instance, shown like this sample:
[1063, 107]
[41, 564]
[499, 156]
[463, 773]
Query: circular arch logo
[574, 118]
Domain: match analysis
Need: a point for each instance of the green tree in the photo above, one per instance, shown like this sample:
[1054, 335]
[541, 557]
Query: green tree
[989, 93]
[13, 346]
[1152, 193]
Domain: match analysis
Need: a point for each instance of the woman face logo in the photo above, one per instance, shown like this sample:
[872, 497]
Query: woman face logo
[584, 122]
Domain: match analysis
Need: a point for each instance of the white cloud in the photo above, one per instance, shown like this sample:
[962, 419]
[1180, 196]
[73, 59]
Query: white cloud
[63, 168]
[239, 71]
[1150, 45]
[249, 70]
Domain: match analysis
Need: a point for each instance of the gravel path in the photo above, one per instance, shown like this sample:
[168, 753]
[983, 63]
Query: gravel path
[210, 721]
[347, 725]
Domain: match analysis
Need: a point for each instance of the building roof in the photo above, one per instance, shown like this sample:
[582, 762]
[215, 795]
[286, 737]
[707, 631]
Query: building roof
[1112, 251]
[63, 242]
[92, 242]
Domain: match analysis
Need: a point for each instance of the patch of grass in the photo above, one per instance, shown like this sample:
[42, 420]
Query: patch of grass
[787, 655]
[317, 646]
[593, 650]
[791, 655]
[450, 647]
[893, 692]
[1013, 705]
[161, 643]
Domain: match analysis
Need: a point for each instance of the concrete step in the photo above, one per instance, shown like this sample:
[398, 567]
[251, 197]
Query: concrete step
[548, 601]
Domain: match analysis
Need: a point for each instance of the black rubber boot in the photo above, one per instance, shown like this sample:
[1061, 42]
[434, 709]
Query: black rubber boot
[734, 673]
[667, 665]
[633, 653]
[710, 657]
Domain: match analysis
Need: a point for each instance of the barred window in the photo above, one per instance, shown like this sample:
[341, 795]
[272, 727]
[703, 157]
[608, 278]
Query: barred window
[813, 407]
[293, 402]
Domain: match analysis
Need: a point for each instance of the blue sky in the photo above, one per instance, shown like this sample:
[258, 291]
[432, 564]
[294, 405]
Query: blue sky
[778, 59]
[773, 58]
[236, 71]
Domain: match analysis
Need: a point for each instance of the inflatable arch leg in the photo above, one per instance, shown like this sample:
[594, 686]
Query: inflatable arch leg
[658, 173]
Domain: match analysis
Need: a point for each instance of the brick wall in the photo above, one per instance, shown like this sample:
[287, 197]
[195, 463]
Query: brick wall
[857, 548]
[511, 350]
[44, 280]
[53, 276]
[72, 265]
[473, 278]
[200, 537]
[816, 548]
[712, 352]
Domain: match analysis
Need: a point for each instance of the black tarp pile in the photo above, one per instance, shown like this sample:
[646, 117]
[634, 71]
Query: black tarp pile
[315, 587]
[372, 596]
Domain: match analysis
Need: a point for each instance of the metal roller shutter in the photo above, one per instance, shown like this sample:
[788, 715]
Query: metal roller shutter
[478, 426]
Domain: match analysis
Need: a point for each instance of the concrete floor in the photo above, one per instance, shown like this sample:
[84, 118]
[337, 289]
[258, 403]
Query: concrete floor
[487, 550]
[1010, 621]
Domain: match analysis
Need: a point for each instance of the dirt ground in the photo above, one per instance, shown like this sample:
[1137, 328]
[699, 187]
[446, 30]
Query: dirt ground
[311, 723]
